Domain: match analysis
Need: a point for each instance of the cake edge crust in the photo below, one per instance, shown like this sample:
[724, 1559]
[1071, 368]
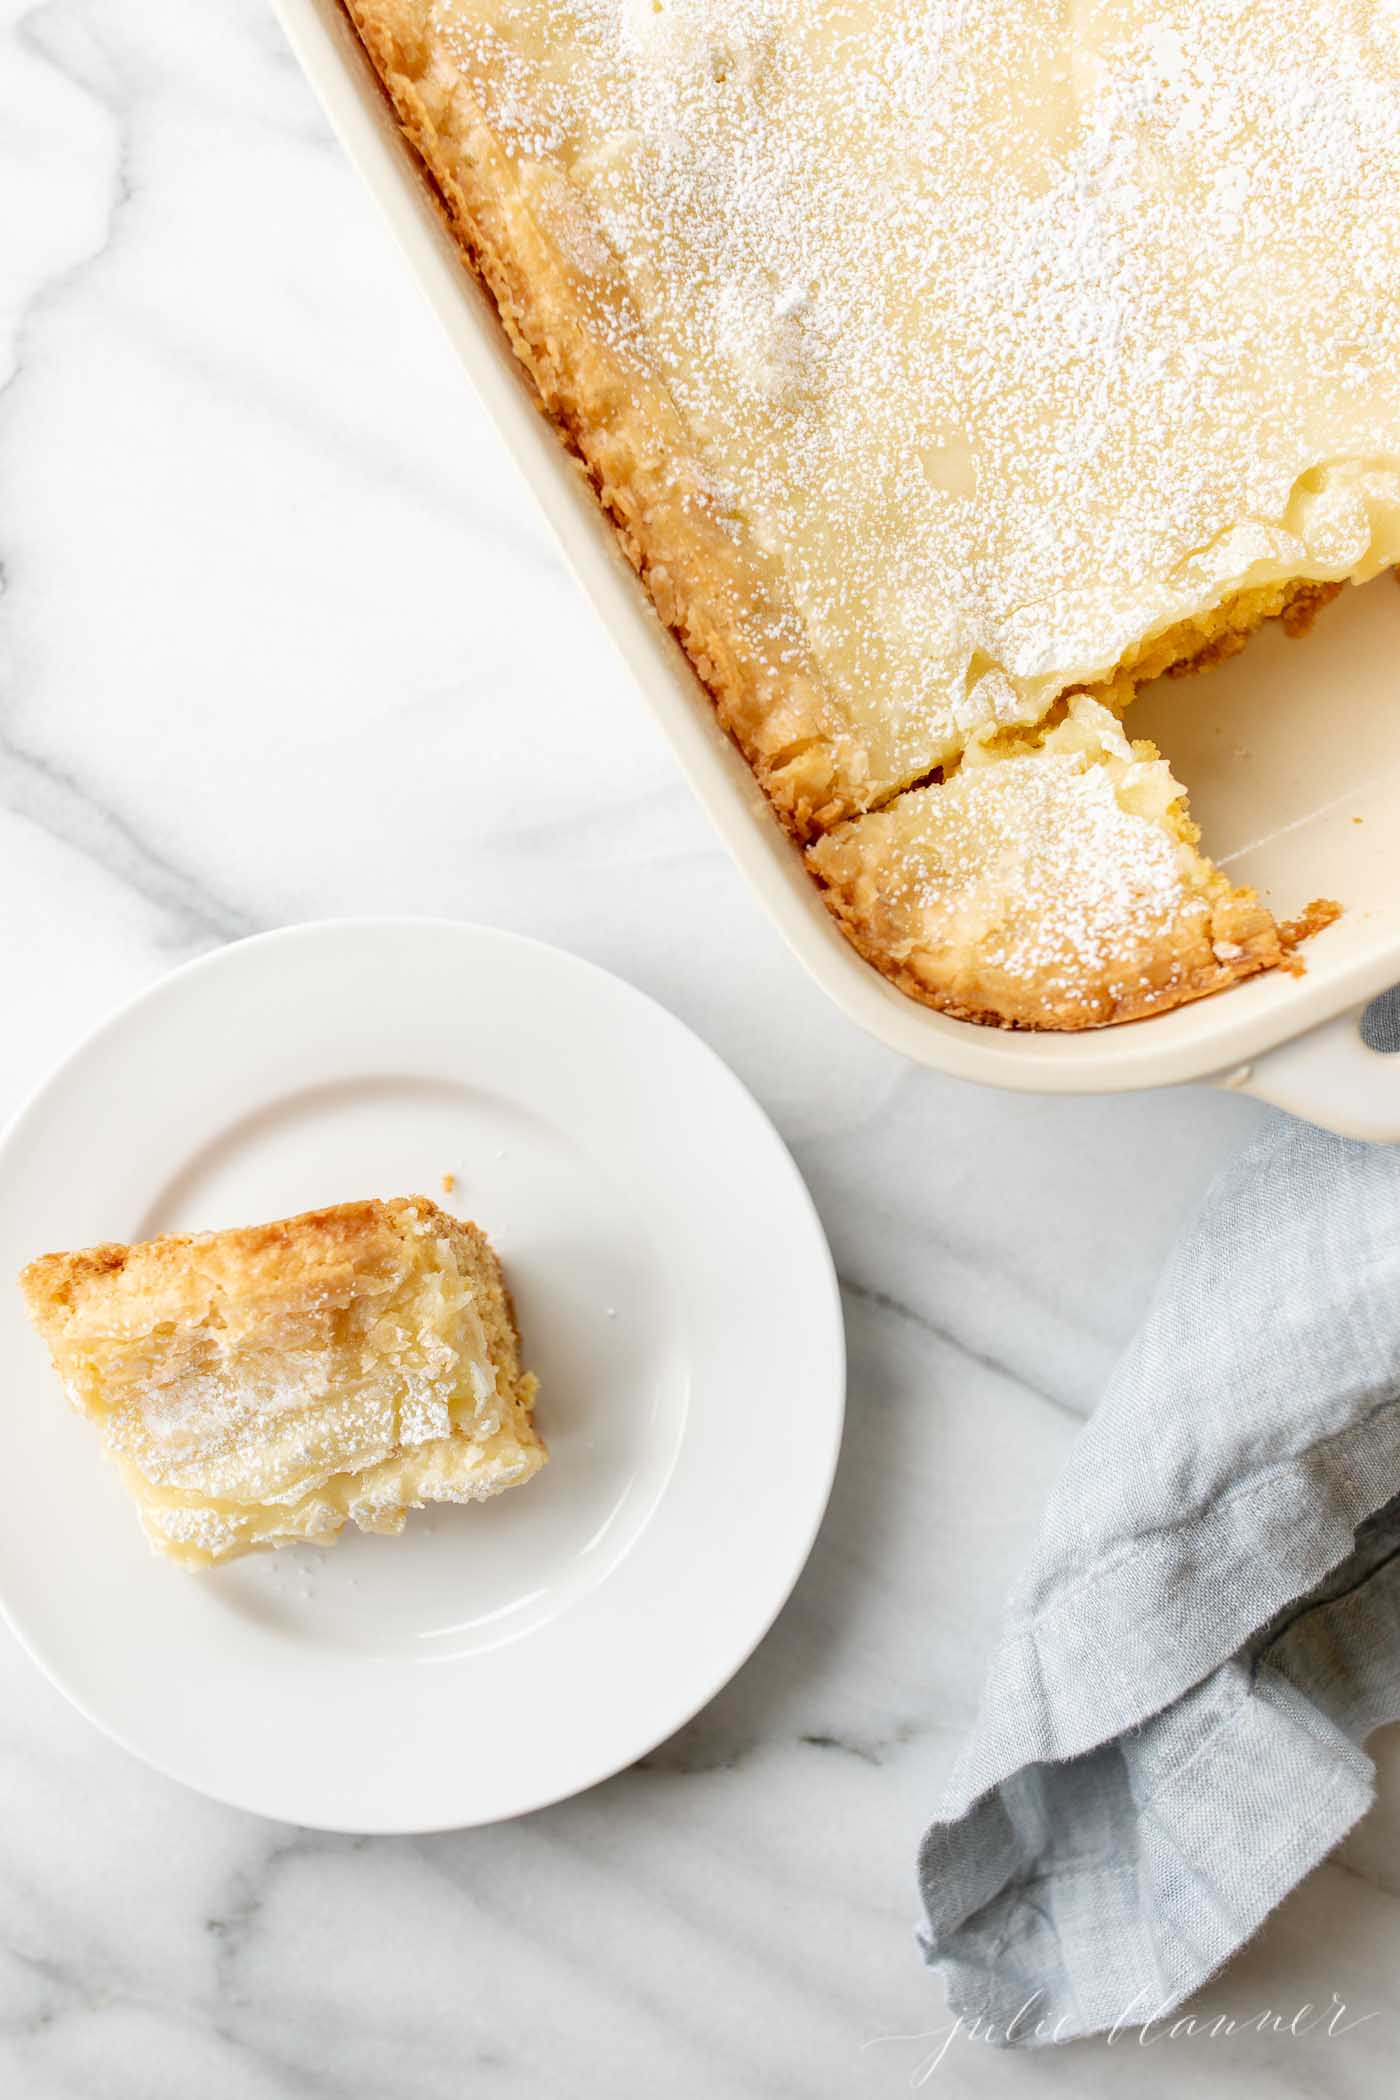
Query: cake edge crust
[706, 583]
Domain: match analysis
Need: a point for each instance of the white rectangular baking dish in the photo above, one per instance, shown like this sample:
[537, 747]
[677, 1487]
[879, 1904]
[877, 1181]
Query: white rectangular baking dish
[1288, 751]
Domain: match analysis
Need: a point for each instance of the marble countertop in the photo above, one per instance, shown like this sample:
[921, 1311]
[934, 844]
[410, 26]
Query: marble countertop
[283, 636]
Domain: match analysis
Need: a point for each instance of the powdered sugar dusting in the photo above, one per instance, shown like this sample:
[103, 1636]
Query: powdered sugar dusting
[1034, 874]
[1049, 877]
[279, 1417]
[1071, 888]
[1013, 332]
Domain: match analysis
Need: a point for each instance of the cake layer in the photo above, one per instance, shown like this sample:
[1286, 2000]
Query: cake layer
[268, 1384]
[936, 355]
[1052, 884]
[938, 359]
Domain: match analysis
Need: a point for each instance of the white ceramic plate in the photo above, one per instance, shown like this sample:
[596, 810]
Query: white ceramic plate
[676, 1298]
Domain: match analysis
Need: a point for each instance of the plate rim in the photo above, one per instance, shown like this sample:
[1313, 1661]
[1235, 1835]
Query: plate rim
[693, 1700]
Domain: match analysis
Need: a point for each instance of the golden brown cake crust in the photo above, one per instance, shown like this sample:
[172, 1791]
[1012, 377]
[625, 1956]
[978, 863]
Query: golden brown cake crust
[1183, 966]
[315, 1259]
[307, 1257]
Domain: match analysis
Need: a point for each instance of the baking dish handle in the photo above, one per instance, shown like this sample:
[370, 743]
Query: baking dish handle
[1331, 1077]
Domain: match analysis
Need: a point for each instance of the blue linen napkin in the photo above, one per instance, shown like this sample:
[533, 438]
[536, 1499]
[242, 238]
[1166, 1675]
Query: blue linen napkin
[1171, 1731]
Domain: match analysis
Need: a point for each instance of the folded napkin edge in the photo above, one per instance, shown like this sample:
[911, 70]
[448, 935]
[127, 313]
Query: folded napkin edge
[1144, 1623]
[968, 1935]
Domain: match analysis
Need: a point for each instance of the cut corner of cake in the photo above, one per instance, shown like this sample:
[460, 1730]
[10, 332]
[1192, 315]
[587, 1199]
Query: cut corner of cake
[1050, 880]
[265, 1385]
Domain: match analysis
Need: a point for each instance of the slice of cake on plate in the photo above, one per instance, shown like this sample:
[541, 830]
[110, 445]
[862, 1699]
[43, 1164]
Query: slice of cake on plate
[269, 1384]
